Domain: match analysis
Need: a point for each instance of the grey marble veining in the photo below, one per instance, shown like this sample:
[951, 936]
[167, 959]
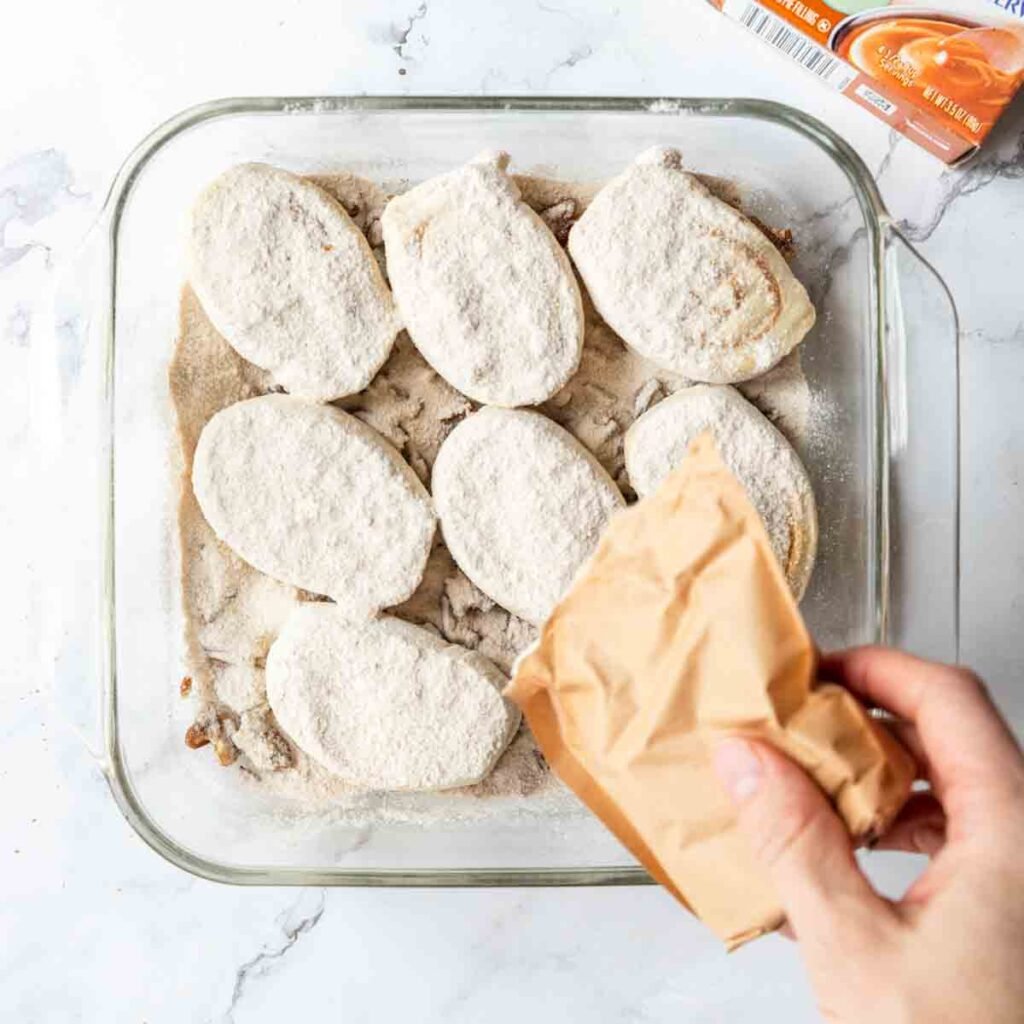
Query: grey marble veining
[294, 922]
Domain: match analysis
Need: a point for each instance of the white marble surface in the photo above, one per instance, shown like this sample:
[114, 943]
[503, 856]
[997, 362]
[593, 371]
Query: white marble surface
[95, 927]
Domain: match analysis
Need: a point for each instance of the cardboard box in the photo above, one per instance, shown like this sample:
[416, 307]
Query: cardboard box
[941, 73]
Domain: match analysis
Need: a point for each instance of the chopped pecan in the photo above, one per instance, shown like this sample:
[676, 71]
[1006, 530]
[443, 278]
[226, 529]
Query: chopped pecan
[195, 736]
[226, 751]
[214, 725]
[560, 218]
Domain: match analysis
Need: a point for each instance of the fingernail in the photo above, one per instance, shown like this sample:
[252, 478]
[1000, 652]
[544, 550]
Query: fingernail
[738, 767]
[928, 839]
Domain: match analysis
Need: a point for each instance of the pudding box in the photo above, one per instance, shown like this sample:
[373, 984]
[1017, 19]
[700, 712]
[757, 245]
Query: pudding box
[939, 74]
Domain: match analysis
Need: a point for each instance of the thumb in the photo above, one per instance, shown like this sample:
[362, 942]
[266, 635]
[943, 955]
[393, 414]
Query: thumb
[798, 839]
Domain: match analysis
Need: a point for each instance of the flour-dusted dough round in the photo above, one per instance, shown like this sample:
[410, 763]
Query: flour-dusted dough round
[289, 280]
[684, 278]
[487, 294]
[522, 504]
[312, 496]
[387, 705]
[755, 452]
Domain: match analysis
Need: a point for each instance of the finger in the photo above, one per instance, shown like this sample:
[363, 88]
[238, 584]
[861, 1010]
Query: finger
[973, 758]
[926, 838]
[796, 836]
[920, 827]
[908, 737]
[892, 679]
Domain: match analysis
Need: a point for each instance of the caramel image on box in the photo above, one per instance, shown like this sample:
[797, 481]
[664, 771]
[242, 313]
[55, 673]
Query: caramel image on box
[939, 73]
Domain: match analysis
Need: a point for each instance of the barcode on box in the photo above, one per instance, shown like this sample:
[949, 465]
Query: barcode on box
[865, 92]
[776, 32]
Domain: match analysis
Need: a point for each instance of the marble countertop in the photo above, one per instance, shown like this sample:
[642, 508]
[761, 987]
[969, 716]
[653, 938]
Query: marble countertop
[94, 926]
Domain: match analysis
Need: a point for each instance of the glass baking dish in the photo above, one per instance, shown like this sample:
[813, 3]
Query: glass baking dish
[882, 359]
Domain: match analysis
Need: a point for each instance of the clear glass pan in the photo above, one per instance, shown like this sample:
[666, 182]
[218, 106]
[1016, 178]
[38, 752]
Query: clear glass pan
[882, 358]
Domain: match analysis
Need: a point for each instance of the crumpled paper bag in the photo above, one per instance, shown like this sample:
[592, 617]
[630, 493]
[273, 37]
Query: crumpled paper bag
[680, 629]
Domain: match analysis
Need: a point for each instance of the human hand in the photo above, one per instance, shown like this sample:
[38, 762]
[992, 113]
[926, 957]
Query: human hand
[952, 949]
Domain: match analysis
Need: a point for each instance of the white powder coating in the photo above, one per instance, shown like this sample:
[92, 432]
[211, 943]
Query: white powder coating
[385, 704]
[684, 278]
[487, 293]
[290, 281]
[522, 504]
[313, 497]
[234, 612]
[755, 452]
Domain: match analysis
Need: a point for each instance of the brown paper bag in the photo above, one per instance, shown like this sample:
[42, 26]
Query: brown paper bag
[680, 629]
